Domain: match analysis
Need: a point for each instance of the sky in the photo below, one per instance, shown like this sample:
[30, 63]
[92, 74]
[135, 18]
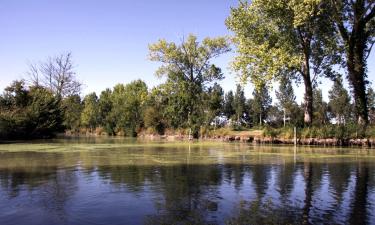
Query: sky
[109, 39]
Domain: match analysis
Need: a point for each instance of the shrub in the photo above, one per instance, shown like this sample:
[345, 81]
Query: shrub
[271, 132]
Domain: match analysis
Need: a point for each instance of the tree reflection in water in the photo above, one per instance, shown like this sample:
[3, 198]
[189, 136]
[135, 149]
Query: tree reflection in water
[50, 188]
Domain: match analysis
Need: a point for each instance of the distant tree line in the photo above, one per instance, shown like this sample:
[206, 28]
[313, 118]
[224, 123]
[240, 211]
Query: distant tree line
[38, 109]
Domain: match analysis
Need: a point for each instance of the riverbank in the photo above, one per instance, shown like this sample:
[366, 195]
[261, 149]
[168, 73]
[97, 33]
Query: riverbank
[360, 142]
[254, 136]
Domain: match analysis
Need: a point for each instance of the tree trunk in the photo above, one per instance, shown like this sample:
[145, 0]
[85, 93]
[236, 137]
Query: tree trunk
[308, 98]
[356, 39]
[308, 104]
[360, 200]
[309, 192]
[356, 74]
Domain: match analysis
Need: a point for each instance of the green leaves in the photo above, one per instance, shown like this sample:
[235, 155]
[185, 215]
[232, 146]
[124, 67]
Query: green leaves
[265, 39]
[89, 116]
[188, 70]
[29, 112]
[191, 59]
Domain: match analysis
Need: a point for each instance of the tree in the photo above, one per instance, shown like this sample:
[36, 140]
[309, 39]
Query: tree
[214, 103]
[129, 102]
[228, 107]
[156, 109]
[153, 119]
[105, 105]
[371, 104]
[29, 112]
[339, 101]
[355, 25]
[261, 104]
[89, 116]
[16, 95]
[320, 108]
[286, 97]
[275, 116]
[136, 93]
[188, 65]
[276, 37]
[72, 108]
[44, 115]
[57, 74]
[239, 103]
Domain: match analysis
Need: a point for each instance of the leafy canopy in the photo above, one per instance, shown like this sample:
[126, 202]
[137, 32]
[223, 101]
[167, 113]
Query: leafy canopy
[190, 60]
[274, 36]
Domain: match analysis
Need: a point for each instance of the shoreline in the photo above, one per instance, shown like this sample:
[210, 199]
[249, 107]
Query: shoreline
[334, 142]
[329, 142]
[359, 142]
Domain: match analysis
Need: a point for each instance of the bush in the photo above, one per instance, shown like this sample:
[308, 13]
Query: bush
[287, 132]
[271, 132]
[222, 132]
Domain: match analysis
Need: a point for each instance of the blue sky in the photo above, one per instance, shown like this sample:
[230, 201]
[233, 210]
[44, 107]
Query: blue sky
[109, 38]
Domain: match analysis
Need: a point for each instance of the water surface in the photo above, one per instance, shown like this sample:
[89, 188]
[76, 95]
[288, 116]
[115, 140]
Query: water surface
[125, 181]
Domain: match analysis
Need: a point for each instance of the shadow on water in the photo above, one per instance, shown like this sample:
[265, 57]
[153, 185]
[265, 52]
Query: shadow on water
[125, 187]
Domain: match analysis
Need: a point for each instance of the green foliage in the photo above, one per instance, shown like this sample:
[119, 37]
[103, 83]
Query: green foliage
[106, 119]
[275, 38]
[371, 105]
[341, 132]
[239, 103]
[213, 105]
[339, 102]
[29, 112]
[260, 104]
[188, 70]
[89, 116]
[153, 119]
[228, 107]
[275, 116]
[320, 108]
[190, 60]
[286, 97]
[355, 28]
[271, 132]
[72, 108]
[129, 102]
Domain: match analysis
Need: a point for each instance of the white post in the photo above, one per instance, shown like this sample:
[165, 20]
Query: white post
[295, 144]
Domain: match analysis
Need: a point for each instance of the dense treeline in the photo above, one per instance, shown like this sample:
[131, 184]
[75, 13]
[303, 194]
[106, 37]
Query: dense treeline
[285, 42]
[128, 109]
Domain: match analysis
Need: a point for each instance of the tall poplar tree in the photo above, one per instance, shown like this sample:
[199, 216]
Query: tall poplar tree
[261, 103]
[339, 101]
[239, 103]
[355, 24]
[283, 36]
[286, 97]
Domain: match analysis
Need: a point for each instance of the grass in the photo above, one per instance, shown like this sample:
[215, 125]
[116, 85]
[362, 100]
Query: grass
[242, 133]
[349, 131]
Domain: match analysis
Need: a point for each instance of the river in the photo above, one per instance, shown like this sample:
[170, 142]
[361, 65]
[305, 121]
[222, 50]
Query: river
[129, 181]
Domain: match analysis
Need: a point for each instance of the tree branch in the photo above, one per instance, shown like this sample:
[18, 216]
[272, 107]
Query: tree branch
[339, 21]
[370, 15]
[369, 51]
